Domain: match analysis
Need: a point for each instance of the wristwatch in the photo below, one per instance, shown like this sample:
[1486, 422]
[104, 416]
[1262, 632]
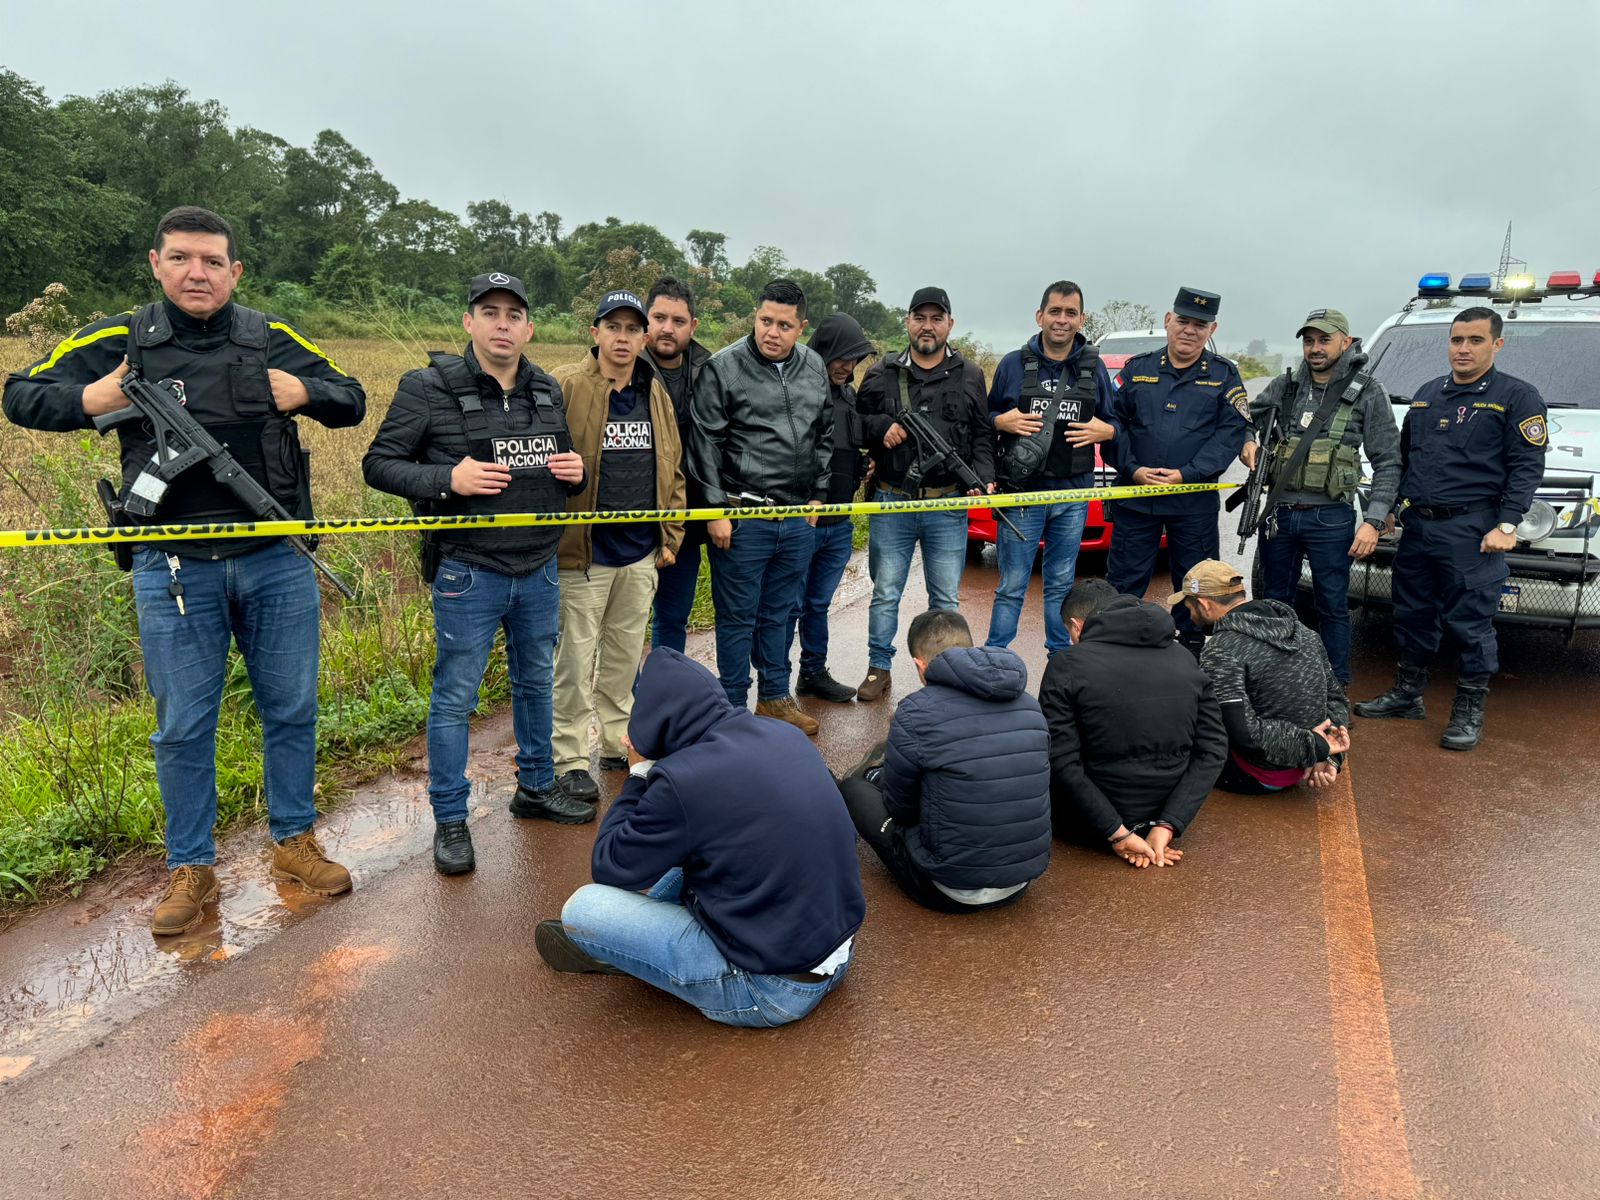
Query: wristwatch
[1506, 527]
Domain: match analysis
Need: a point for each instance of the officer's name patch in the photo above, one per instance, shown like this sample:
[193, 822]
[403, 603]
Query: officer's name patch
[1208, 383]
[524, 453]
[627, 435]
[1147, 379]
[1419, 404]
[1534, 431]
[1489, 404]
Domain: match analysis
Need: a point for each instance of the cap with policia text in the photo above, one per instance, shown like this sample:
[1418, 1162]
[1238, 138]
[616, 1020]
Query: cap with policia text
[1192, 302]
[1325, 320]
[495, 281]
[612, 301]
[930, 295]
[1208, 578]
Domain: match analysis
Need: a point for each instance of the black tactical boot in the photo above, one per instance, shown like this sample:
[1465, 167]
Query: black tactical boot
[452, 848]
[824, 687]
[1466, 718]
[1403, 700]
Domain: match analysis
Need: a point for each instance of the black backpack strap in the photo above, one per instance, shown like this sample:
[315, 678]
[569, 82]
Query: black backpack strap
[249, 328]
[459, 382]
[147, 327]
[1030, 376]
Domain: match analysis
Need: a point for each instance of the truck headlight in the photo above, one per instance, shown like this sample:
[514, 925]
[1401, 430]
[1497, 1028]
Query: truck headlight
[1538, 523]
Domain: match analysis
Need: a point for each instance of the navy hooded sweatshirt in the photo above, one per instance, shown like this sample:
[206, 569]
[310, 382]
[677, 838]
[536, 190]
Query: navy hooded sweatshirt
[967, 770]
[745, 805]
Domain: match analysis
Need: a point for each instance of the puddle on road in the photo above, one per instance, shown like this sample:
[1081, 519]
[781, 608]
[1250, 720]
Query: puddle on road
[88, 978]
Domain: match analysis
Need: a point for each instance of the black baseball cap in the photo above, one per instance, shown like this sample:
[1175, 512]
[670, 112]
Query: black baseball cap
[1192, 302]
[929, 295]
[495, 281]
[611, 301]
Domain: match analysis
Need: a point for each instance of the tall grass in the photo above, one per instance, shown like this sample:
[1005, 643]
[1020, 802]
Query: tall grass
[77, 780]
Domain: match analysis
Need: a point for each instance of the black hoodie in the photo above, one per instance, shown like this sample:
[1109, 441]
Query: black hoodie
[839, 336]
[745, 805]
[1135, 733]
[1274, 684]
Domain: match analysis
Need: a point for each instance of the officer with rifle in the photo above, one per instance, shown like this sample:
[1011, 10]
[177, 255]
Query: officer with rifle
[931, 390]
[1047, 402]
[1308, 429]
[197, 358]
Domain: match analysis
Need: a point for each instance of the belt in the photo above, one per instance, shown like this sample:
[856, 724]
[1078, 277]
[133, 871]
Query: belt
[1439, 512]
[927, 493]
[1305, 507]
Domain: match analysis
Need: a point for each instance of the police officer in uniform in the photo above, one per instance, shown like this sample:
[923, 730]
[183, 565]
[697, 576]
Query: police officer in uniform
[1472, 455]
[486, 432]
[1311, 516]
[245, 376]
[1182, 415]
[932, 379]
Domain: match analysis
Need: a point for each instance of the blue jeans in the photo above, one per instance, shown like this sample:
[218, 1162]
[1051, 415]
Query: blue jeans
[675, 590]
[653, 937]
[266, 601]
[1323, 535]
[891, 539]
[830, 554]
[1061, 528]
[469, 604]
[754, 583]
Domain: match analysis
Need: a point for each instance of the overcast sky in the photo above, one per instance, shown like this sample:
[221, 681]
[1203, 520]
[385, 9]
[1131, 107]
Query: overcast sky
[1285, 155]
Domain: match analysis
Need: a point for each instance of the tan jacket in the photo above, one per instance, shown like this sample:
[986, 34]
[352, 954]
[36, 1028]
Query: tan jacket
[588, 396]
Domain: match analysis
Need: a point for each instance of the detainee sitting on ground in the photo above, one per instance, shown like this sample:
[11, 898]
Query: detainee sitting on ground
[957, 802]
[1285, 711]
[1136, 738]
[734, 825]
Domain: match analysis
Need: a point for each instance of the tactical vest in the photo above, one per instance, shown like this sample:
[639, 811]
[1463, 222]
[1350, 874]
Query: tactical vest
[628, 456]
[227, 390]
[533, 489]
[1019, 462]
[1331, 467]
[944, 403]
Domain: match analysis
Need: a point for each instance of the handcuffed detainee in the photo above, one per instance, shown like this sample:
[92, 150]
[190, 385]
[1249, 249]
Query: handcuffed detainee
[485, 431]
[244, 376]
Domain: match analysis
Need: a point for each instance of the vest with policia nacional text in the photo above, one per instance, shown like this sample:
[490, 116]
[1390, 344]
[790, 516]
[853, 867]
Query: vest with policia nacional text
[628, 455]
[1022, 459]
[227, 390]
[1330, 467]
[525, 450]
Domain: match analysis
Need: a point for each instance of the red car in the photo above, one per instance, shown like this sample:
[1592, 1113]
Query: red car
[1096, 532]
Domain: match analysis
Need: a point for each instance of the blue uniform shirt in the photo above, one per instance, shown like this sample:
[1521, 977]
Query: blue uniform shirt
[1476, 443]
[1006, 389]
[1190, 420]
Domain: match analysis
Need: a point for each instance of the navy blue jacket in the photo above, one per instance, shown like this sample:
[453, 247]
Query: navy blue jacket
[967, 772]
[747, 808]
[1006, 388]
[1190, 420]
[1475, 443]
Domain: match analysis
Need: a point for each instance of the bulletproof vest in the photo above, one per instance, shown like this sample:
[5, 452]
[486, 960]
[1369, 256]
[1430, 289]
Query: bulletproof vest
[944, 403]
[1019, 461]
[1331, 467]
[227, 390]
[526, 451]
[628, 455]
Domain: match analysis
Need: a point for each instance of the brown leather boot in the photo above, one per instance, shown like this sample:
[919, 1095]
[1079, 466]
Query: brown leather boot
[874, 685]
[785, 709]
[302, 861]
[182, 905]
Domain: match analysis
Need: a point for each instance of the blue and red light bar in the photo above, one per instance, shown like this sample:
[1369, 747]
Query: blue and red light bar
[1434, 281]
[1512, 287]
[1480, 284]
[1563, 279]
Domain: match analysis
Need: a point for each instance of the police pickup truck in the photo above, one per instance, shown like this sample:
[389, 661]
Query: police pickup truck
[1552, 340]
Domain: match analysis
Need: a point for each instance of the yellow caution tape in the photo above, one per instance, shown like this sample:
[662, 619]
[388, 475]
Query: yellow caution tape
[110, 535]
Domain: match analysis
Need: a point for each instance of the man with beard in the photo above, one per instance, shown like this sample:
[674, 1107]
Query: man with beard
[1182, 412]
[1056, 377]
[1308, 515]
[762, 433]
[933, 380]
[678, 359]
[842, 345]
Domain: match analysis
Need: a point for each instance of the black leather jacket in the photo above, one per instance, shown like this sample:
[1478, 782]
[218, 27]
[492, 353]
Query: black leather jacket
[760, 429]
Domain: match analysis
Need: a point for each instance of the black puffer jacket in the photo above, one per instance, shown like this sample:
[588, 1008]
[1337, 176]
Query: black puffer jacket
[761, 428]
[1274, 683]
[1135, 734]
[967, 772]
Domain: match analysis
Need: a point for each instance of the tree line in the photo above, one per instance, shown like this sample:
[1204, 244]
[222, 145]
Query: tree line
[84, 180]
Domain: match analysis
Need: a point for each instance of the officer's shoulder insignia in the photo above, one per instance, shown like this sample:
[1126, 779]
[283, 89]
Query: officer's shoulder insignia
[1116, 382]
[1242, 403]
[1534, 431]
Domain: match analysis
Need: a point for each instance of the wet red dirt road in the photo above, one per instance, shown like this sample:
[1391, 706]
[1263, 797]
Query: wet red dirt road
[1388, 990]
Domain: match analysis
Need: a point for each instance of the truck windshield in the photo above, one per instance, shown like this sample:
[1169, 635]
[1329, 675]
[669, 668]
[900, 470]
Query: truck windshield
[1559, 359]
[1116, 343]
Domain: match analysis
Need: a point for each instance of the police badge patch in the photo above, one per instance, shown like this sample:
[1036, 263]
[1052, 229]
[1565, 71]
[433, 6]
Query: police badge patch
[1534, 431]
